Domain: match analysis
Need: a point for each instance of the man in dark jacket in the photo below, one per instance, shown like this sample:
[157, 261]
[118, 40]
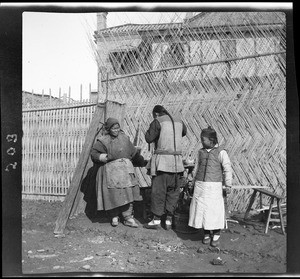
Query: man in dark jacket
[166, 164]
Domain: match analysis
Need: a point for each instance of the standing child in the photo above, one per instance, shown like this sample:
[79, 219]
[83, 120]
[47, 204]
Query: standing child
[212, 169]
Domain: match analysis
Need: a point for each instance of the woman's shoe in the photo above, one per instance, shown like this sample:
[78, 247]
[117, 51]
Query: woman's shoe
[115, 221]
[130, 222]
[168, 224]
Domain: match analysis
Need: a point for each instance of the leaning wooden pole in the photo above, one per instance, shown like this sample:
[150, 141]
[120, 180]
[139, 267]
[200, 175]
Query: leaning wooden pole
[73, 197]
[79, 171]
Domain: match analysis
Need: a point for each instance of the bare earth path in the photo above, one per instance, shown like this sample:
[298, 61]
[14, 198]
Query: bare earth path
[98, 248]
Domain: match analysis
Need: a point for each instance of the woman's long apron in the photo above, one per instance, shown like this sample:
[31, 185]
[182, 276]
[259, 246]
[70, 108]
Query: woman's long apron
[207, 206]
[116, 185]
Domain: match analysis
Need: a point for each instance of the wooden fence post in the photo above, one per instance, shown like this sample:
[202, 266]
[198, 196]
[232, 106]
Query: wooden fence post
[32, 99]
[80, 93]
[69, 99]
[100, 90]
[90, 90]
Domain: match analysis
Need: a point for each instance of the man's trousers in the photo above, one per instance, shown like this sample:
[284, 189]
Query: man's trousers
[165, 193]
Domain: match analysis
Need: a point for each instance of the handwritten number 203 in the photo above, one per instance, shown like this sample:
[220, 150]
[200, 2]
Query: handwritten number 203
[11, 151]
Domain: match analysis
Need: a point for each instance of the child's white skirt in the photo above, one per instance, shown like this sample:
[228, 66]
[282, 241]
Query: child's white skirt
[207, 206]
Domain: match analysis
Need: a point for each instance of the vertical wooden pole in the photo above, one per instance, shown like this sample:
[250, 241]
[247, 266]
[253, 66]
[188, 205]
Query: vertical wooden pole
[59, 92]
[269, 214]
[80, 93]
[69, 99]
[50, 97]
[90, 91]
[100, 89]
[280, 215]
[32, 100]
[24, 97]
[106, 95]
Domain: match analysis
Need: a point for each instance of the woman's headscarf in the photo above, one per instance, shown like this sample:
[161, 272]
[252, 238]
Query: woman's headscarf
[110, 122]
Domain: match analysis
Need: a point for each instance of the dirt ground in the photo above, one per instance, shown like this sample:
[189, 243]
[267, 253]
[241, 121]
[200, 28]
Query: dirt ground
[95, 247]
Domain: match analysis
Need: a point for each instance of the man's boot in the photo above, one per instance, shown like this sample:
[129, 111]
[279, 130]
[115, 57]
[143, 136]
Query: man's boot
[153, 224]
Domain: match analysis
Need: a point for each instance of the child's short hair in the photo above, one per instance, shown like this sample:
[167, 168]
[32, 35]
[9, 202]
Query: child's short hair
[210, 133]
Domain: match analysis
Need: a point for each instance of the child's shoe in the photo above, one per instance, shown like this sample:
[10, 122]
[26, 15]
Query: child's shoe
[215, 241]
[206, 239]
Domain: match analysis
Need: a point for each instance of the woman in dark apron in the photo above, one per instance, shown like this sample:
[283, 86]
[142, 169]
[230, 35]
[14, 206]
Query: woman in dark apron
[117, 186]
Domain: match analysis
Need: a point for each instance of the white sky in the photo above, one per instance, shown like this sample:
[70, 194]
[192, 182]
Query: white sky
[57, 53]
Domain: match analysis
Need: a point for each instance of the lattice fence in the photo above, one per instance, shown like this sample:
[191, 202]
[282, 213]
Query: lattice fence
[52, 142]
[226, 70]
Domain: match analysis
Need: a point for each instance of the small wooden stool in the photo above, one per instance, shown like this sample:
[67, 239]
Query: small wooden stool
[273, 196]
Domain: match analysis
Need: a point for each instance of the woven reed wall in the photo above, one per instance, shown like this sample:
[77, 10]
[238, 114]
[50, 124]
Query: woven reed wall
[243, 99]
[224, 69]
[249, 117]
[250, 123]
[52, 142]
